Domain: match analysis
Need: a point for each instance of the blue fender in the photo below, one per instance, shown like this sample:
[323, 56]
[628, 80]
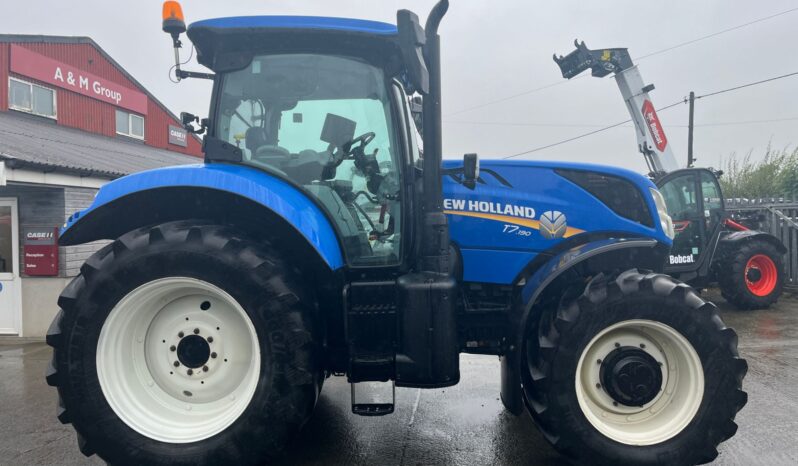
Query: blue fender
[532, 289]
[297, 208]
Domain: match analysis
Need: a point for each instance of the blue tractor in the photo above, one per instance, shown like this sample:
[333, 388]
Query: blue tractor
[315, 240]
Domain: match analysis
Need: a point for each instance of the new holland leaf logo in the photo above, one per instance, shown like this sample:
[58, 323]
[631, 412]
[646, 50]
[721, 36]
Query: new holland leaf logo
[553, 224]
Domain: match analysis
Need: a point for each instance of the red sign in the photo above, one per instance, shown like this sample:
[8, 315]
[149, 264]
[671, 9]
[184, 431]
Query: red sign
[654, 126]
[40, 247]
[50, 71]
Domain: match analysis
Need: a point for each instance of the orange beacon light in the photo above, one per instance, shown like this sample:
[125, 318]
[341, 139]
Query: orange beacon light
[173, 21]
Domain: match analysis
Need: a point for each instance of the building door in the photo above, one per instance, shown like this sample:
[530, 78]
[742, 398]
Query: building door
[10, 287]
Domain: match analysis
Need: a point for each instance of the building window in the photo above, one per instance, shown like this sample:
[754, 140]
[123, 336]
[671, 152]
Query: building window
[129, 124]
[31, 98]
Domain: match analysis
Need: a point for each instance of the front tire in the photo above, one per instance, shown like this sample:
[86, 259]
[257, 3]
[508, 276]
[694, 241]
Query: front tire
[184, 343]
[752, 277]
[638, 369]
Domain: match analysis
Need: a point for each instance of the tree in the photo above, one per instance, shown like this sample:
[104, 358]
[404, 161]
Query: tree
[775, 175]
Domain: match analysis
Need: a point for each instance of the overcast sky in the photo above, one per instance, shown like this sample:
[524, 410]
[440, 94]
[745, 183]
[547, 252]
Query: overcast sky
[495, 49]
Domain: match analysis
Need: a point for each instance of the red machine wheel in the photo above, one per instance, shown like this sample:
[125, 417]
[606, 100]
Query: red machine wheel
[752, 276]
[761, 275]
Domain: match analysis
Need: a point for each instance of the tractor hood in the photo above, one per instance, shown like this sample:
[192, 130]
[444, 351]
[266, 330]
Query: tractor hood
[520, 209]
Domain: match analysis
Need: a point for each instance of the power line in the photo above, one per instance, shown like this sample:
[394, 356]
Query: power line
[709, 94]
[513, 96]
[714, 34]
[592, 125]
[746, 85]
[643, 57]
[584, 135]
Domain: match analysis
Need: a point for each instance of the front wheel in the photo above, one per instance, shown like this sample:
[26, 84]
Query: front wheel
[638, 369]
[184, 344]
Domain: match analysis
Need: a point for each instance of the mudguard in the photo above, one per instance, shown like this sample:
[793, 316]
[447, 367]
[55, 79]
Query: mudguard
[748, 235]
[532, 289]
[280, 197]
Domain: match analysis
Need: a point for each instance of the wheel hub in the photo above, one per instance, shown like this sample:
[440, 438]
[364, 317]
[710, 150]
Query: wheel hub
[631, 376]
[193, 351]
[753, 275]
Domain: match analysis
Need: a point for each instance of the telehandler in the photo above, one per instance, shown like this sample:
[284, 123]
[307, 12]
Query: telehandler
[709, 246]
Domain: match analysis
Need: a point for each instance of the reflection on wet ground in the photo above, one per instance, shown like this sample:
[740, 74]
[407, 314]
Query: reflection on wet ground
[465, 424]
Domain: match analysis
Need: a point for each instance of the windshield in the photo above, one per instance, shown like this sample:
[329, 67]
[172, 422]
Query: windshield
[325, 123]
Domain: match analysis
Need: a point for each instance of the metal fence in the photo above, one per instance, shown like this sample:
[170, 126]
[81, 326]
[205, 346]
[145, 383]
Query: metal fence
[777, 216]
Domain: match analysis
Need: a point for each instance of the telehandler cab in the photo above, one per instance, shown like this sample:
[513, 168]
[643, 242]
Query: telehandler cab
[315, 241]
[709, 246]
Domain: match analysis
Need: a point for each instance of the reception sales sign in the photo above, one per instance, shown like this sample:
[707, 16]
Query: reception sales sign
[40, 246]
[45, 69]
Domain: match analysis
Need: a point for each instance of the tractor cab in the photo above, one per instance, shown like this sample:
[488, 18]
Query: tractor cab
[695, 204]
[317, 102]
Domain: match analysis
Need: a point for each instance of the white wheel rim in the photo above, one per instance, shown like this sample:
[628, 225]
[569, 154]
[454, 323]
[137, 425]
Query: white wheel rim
[670, 411]
[140, 342]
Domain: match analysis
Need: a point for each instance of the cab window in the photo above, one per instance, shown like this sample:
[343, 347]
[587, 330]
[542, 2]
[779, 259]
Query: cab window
[682, 201]
[324, 123]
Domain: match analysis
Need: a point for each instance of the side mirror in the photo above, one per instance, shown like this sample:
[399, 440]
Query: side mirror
[188, 120]
[470, 170]
[411, 42]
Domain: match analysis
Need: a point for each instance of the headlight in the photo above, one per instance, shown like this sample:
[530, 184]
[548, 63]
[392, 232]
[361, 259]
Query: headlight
[662, 210]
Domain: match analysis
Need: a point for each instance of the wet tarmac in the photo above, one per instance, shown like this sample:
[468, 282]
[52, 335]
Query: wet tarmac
[465, 424]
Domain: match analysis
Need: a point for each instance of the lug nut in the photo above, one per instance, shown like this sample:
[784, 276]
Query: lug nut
[643, 345]
[177, 363]
[210, 339]
[617, 345]
[598, 361]
[180, 334]
[190, 372]
[196, 331]
[598, 385]
[204, 368]
[213, 355]
[173, 348]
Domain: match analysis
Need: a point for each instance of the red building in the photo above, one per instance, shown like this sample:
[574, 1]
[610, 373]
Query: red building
[71, 119]
[72, 81]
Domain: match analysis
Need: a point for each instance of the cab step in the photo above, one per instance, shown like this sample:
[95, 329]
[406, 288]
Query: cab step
[371, 398]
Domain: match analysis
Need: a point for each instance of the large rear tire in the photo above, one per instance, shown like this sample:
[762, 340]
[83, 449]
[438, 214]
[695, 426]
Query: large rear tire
[637, 369]
[184, 343]
[752, 277]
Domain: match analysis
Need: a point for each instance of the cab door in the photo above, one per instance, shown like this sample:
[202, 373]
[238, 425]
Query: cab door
[713, 205]
[10, 292]
[682, 192]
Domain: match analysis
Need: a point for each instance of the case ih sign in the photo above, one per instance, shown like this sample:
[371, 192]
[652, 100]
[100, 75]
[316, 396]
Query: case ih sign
[41, 68]
[40, 247]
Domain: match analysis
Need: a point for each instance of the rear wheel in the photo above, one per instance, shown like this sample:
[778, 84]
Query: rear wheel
[638, 369]
[184, 344]
[752, 277]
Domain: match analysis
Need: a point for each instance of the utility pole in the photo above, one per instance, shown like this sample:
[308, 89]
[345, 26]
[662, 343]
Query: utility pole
[690, 158]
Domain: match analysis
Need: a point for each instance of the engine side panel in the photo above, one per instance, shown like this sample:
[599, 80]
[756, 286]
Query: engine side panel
[521, 209]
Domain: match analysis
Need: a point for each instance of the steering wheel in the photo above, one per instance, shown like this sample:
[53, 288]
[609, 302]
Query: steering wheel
[359, 143]
[354, 148]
